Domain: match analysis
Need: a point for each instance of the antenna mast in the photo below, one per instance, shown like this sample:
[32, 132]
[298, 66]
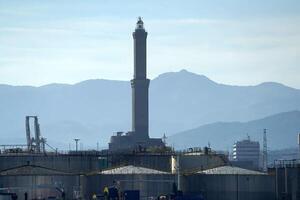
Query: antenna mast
[164, 139]
[299, 145]
[265, 151]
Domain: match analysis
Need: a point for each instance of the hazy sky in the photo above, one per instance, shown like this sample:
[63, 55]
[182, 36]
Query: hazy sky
[67, 41]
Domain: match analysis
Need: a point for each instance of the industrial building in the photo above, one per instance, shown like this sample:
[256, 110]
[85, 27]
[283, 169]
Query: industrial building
[81, 176]
[39, 182]
[149, 182]
[230, 183]
[197, 159]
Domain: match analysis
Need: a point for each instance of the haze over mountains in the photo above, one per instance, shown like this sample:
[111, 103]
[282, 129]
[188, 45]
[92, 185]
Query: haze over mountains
[282, 132]
[179, 101]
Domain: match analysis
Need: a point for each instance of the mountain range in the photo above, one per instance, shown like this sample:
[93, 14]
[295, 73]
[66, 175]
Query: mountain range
[282, 132]
[92, 110]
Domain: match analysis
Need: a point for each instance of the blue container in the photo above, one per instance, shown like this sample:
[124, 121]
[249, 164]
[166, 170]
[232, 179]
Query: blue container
[131, 195]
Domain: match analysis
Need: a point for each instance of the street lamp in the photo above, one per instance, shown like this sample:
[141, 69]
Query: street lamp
[76, 141]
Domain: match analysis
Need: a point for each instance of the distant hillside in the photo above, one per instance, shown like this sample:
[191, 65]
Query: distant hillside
[283, 154]
[282, 131]
[93, 109]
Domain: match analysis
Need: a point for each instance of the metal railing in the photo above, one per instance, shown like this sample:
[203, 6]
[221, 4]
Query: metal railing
[286, 163]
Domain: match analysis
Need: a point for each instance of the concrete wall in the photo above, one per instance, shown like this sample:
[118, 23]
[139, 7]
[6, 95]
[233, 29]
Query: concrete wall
[86, 163]
[69, 163]
[193, 163]
[245, 164]
[158, 162]
[230, 187]
[288, 183]
[40, 186]
[162, 162]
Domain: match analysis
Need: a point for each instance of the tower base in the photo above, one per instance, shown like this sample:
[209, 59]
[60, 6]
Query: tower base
[129, 142]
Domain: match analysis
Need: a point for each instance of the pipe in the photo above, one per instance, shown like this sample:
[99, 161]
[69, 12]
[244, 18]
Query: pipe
[28, 133]
[37, 134]
[178, 173]
[285, 180]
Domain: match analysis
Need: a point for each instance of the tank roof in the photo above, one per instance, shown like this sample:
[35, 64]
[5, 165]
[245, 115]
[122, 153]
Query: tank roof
[231, 170]
[130, 169]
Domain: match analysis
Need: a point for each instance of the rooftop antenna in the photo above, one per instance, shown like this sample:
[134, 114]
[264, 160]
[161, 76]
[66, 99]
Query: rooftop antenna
[265, 151]
[248, 137]
[164, 139]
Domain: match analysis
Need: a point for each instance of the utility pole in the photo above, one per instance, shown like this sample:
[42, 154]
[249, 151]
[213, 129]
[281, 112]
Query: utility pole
[76, 141]
[299, 145]
[178, 173]
[265, 151]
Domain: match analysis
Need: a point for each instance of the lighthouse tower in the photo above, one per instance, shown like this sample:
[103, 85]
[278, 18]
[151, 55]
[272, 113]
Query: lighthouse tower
[140, 84]
[139, 136]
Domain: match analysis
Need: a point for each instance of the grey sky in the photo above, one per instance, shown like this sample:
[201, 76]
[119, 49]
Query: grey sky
[233, 42]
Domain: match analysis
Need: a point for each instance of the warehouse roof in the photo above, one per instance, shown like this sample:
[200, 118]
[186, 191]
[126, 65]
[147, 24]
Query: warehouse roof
[230, 170]
[130, 169]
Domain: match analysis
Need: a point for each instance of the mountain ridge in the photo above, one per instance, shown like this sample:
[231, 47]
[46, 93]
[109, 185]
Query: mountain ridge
[178, 101]
[180, 72]
[285, 122]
